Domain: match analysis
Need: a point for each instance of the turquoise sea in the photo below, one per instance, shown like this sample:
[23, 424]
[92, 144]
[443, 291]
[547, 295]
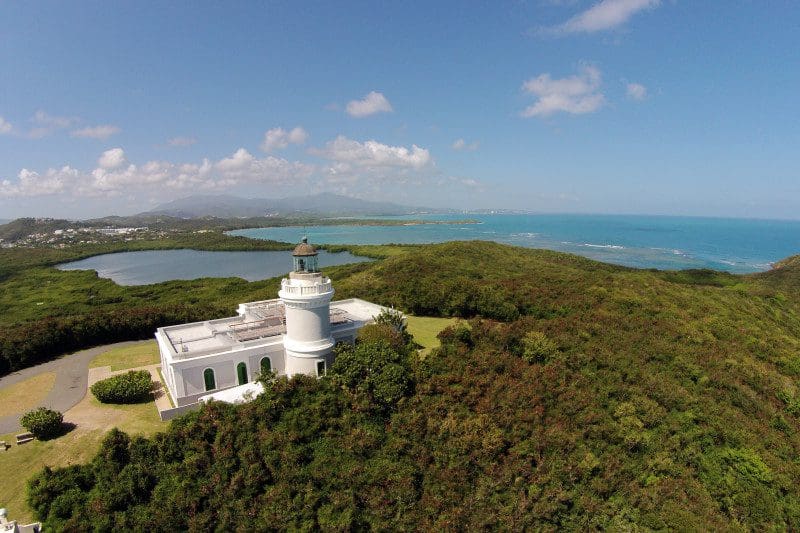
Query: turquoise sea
[734, 245]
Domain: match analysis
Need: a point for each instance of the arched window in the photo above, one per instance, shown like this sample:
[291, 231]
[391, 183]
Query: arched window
[241, 373]
[266, 365]
[208, 377]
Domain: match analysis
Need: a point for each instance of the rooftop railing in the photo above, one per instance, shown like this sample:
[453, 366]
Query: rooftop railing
[303, 290]
[258, 329]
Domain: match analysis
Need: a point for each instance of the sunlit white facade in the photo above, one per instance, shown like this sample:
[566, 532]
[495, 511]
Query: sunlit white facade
[292, 334]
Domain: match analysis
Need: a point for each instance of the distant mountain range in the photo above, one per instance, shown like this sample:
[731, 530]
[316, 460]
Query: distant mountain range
[323, 204]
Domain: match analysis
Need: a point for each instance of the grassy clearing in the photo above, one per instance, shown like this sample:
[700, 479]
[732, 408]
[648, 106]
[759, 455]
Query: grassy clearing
[25, 395]
[425, 329]
[92, 420]
[140, 354]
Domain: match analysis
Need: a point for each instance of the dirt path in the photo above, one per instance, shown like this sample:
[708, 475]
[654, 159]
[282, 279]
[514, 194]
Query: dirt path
[70, 385]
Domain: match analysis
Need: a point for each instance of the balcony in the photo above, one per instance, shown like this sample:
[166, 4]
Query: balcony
[305, 290]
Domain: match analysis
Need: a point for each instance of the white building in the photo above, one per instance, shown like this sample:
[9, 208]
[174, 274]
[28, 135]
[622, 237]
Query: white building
[293, 334]
[11, 526]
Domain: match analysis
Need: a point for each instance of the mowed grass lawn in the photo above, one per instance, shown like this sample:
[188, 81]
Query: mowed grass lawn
[25, 395]
[425, 329]
[92, 421]
[140, 354]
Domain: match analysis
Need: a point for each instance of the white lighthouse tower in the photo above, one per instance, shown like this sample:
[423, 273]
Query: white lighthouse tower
[306, 295]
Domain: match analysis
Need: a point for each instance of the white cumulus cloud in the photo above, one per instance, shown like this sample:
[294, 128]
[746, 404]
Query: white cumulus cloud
[577, 94]
[373, 154]
[30, 183]
[604, 15]
[101, 132]
[44, 119]
[371, 104]
[279, 138]
[181, 141]
[115, 175]
[111, 159]
[46, 124]
[5, 126]
[460, 145]
[371, 163]
[637, 91]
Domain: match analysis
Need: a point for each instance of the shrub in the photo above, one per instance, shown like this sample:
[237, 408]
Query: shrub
[43, 423]
[380, 331]
[132, 387]
[374, 371]
[537, 348]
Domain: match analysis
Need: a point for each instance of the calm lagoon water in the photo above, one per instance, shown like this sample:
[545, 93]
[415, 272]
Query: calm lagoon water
[734, 245]
[143, 268]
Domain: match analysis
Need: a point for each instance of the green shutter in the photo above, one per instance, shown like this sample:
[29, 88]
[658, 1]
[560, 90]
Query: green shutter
[208, 377]
[241, 372]
[266, 365]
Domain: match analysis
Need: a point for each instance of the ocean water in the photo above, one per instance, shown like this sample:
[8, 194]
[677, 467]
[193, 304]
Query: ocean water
[733, 245]
[144, 268]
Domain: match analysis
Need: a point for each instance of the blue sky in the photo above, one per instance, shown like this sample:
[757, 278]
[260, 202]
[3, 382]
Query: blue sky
[616, 106]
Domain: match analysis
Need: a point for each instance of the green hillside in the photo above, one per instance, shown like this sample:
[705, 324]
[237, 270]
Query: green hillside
[582, 395]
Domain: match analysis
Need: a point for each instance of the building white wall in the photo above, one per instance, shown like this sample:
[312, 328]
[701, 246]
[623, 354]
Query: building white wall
[308, 324]
[189, 377]
[289, 356]
[308, 365]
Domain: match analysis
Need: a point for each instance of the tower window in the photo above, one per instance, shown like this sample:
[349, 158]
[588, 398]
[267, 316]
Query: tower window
[320, 368]
[208, 377]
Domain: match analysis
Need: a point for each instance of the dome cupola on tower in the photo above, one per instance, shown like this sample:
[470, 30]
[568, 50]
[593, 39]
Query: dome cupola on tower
[305, 257]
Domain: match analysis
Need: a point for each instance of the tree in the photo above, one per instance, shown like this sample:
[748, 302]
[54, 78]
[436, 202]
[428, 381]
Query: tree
[374, 371]
[396, 320]
[392, 317]
[43, 423]
[537, 347]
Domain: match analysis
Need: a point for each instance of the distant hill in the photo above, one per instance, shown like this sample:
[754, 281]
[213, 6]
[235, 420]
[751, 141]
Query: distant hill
[22, 227]
[226, 206]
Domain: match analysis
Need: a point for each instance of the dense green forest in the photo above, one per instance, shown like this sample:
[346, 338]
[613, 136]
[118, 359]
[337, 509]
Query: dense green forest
[579, 395]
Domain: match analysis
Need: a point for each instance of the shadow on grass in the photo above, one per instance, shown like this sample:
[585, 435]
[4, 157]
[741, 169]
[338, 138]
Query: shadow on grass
[65, 428]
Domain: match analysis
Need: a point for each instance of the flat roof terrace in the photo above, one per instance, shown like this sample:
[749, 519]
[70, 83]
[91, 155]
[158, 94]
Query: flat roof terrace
[357, 309]
[213, 336]
[202, 338]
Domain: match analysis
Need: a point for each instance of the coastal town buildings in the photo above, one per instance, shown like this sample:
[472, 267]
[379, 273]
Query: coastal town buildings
[292, 334]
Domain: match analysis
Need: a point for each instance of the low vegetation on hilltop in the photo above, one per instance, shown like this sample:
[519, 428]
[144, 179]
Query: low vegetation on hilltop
[133, 386]
[43, 423]
[579, 396]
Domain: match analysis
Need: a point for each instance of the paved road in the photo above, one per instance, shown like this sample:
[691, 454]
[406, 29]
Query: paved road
[70, 386]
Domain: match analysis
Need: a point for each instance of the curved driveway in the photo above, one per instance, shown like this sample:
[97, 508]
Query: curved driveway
[72, 373]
